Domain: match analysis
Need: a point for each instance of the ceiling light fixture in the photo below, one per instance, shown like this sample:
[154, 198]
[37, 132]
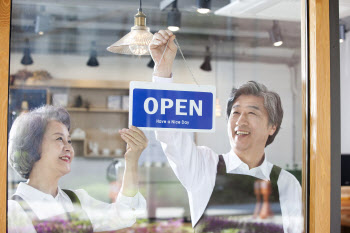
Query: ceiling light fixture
[26, 59]
[174, 18]
[42, 22]
[203, 6]
[342, 32]
[275, 34]
[150, 64]
[206, 64]
[137, 40]
[93, 56]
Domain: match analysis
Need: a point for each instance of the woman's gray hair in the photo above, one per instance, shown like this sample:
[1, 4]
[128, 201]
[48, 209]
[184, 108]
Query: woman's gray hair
[272, 103]
[26, 136]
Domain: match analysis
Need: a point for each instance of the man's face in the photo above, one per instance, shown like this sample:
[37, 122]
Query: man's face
[248, 125]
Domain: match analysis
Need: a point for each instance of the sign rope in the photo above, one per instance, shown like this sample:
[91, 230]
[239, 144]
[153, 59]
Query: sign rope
[178, 46]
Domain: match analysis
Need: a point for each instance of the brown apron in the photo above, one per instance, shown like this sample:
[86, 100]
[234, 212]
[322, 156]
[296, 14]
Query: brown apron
[249, 196]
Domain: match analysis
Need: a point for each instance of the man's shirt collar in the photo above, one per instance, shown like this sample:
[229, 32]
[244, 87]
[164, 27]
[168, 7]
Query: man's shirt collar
[236, 166]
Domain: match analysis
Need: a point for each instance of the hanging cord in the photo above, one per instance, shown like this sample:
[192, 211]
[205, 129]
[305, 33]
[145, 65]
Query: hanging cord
[178, 46]
[140, 9]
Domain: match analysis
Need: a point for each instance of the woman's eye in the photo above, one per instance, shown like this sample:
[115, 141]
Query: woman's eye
[70, 141]
[252, 113]
[59, 139]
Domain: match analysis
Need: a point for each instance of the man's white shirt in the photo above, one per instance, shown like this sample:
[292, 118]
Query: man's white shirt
[196, 168]
[103, 216]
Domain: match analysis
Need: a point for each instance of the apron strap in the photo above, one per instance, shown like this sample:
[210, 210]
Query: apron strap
[275, 173]
[72, 196]
[25, 207]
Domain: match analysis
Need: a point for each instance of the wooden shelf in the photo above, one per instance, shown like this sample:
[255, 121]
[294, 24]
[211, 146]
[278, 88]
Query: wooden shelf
[96, 110]
[76, 83]
[102, 156]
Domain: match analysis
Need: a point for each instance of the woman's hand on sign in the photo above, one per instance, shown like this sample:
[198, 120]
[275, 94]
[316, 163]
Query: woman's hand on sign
[136, 143]
[159, 43]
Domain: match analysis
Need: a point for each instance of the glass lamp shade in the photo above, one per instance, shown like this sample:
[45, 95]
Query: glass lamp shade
[135, 42]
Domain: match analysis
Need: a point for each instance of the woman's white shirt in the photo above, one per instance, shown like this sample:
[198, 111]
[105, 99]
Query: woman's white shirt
[103, 216]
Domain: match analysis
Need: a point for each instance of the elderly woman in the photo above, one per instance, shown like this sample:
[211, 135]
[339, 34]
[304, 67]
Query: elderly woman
[40, 150]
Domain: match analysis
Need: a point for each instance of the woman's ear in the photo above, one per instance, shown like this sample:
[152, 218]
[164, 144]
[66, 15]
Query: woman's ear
[272, 130]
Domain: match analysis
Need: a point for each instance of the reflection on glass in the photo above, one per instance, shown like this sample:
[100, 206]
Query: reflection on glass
[40, 150]
[97, 100]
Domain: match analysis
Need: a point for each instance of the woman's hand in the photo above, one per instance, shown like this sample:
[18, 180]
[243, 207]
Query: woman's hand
[136, 143]
[157, 46]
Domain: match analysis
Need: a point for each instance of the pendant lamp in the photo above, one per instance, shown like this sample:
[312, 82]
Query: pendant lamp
[276, 35]
[206, 66]
[27, 58]
[93, 56]
[174, 18]
[137, 40]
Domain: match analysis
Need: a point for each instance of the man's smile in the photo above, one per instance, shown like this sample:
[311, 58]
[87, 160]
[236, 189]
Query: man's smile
[241, 132]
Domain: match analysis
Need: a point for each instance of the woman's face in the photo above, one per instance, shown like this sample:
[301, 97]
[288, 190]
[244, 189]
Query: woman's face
[57, 152]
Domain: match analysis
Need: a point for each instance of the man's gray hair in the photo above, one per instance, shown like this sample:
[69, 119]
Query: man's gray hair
[272, 103]
[26, 136]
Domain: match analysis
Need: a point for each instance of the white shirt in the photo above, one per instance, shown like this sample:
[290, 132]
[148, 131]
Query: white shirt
[103, 216]
[196, 167]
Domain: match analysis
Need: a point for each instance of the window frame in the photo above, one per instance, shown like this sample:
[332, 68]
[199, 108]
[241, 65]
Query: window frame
[321, 113]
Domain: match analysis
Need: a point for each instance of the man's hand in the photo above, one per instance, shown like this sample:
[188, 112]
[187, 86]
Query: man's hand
[157, 46]
[136, 143]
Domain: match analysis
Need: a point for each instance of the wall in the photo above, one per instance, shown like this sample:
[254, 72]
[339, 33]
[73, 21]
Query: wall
[345, 94]
[120, 67]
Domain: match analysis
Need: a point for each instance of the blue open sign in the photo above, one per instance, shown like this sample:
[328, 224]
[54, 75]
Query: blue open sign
[172, 106]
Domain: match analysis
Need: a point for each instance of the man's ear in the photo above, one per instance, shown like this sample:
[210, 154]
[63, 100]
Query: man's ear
[272, 130]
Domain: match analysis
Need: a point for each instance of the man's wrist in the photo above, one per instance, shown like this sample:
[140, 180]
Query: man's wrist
[162, 71]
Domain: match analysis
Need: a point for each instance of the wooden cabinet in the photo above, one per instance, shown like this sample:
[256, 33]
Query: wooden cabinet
[90, 113]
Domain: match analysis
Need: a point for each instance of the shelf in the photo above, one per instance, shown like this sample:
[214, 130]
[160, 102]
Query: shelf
[96, 110]
[101, 157]
[76, 83]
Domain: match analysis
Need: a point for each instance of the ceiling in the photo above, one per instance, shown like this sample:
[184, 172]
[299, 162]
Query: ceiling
[75, 24]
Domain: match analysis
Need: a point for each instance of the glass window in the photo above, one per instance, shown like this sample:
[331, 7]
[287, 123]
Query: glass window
[59, 58]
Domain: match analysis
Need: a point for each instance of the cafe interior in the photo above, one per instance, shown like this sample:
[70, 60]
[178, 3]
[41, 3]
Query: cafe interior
[69, 53]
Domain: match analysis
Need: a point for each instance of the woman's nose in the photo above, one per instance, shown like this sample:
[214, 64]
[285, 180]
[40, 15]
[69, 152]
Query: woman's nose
[68, 147]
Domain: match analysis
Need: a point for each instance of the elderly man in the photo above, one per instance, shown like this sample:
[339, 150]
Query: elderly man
[254, 119]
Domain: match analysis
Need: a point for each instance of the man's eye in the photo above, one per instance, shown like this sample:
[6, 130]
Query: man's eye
[252, 113]
[59, 139]
[235, 113]
[70, 141]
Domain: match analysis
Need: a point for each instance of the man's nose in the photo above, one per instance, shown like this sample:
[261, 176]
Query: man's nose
[242, 120]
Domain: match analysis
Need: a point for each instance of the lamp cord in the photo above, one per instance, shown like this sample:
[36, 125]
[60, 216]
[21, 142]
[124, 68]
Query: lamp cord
[177, 45]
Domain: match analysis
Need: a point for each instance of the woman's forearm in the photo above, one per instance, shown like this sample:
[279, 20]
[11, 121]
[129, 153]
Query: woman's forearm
[130, 185]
